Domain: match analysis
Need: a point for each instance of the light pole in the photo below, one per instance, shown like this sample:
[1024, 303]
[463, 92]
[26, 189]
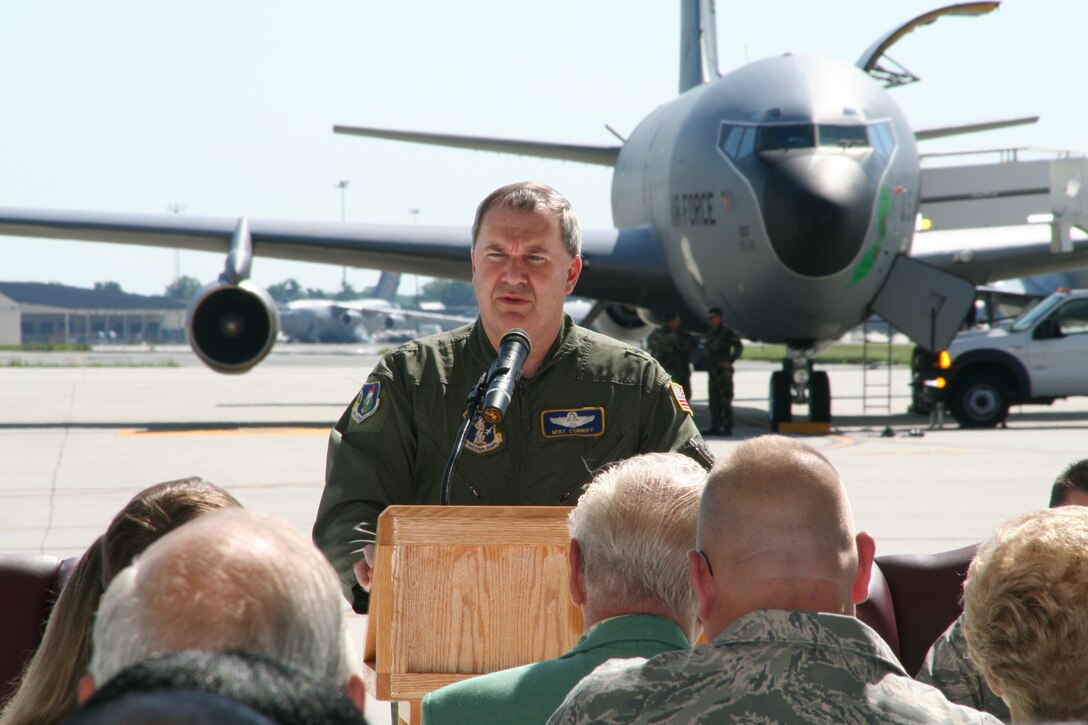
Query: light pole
[342, 185]
[176, 208]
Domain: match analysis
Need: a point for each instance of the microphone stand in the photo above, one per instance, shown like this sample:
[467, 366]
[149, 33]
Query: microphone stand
[474, 396]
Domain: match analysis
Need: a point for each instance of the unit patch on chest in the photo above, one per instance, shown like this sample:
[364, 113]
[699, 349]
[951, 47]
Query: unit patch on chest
[579, 422]
[482, 436]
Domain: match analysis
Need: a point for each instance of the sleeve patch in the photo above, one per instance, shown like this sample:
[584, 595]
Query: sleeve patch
[681, 399]
[367, 402]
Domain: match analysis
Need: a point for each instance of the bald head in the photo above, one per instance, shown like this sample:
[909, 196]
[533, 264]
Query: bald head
[230, 579]
[776, 527]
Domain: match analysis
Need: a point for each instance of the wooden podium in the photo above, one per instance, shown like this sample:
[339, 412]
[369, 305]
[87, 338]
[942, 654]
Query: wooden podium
[460, 591]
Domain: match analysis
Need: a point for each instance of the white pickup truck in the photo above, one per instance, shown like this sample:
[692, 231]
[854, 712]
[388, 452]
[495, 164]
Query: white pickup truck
[1036, 358]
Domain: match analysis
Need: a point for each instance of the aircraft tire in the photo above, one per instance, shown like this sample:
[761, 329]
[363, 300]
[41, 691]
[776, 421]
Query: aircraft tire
[781, 399]
[819, 397]
[980, 401]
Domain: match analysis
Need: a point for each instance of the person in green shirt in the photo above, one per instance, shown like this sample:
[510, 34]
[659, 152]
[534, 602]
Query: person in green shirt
[630, 537]
[584, 399]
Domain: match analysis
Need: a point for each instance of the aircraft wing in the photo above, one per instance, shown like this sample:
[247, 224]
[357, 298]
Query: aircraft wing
[429, 250]
[623, 266]
[986, 264]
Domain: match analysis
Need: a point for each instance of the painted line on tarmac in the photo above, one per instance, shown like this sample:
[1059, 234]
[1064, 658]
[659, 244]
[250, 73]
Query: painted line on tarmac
[222, 432]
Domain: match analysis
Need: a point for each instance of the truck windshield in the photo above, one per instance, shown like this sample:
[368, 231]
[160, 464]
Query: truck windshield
[1037, 313]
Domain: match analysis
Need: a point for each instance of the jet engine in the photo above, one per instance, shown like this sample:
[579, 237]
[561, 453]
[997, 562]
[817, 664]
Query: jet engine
[624, 322]
[232, 327]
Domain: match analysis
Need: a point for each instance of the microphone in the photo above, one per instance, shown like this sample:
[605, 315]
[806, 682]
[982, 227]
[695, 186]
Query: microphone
[504, 373]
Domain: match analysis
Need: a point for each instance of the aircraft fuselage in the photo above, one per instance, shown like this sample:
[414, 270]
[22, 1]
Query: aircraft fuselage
[781, 193]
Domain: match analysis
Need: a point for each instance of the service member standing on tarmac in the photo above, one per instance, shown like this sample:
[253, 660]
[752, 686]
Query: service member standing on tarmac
[584, 400]
[671, 346]
[723, 348]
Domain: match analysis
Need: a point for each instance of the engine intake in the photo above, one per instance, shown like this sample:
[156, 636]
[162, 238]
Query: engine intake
[232, 327]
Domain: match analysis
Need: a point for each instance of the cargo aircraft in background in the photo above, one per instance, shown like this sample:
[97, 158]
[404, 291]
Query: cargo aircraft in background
[787, 193]
[359, 320]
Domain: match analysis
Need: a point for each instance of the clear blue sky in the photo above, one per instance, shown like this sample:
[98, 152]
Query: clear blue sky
[227, 107]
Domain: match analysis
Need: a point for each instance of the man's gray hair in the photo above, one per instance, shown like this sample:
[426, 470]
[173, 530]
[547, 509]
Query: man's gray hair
[231, 579]
[534, 196]
[635, 525]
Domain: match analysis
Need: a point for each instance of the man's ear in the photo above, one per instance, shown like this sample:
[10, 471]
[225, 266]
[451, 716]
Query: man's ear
[577, 575]
[356, 691]
[866, 553]
[85, 689]
[574, 271]
[702, 580]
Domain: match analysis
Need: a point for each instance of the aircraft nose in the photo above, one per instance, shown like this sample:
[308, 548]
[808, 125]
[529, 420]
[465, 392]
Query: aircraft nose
[816, 209]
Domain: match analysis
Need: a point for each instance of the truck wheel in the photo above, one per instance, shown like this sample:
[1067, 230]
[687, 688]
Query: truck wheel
[980, 401]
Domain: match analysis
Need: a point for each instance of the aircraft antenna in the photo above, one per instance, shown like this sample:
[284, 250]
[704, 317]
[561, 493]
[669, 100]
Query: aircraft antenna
[615, 133]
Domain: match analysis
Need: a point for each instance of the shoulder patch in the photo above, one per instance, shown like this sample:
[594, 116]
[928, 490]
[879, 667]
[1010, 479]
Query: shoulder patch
[367, 402]
[576, 422]
[681, 399]
[483, 437]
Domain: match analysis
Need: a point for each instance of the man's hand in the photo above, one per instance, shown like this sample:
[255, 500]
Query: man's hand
[364, 567]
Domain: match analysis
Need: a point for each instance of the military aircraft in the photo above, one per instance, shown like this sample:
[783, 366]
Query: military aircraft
[786, 192]
[359, 320]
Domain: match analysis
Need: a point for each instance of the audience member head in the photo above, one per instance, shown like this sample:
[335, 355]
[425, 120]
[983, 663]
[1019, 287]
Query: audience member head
[1071, 486]
[776, 532]
[630, 536]
[231, 579]
[533, 196]
[1025, 614]
[275, 689]
[169, 707]
[47, 689]
[153, 512]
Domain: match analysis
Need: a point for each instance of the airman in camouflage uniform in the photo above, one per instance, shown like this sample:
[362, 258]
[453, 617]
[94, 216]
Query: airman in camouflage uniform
[671, 347]
[768, 666]
[723, 348]
[950, 670]
[775, 536]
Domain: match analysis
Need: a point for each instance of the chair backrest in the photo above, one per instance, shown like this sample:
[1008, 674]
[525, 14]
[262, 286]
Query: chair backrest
[29, 586]
[913, 598]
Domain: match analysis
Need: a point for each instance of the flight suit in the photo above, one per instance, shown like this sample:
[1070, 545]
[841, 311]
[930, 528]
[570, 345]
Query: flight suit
[723, 348]
[594, 400]
[671, 349]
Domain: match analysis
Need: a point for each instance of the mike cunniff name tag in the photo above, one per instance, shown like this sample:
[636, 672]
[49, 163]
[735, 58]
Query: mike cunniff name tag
[577, 422]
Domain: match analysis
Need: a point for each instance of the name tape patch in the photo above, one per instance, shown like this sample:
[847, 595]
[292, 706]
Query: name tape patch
[567, 423]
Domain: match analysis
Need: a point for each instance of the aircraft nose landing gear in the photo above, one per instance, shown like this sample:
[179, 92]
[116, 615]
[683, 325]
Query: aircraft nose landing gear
[798, 384]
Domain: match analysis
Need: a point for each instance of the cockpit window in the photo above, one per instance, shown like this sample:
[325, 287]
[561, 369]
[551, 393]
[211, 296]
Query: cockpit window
[846, 137]
[740, 140]
[786, 136]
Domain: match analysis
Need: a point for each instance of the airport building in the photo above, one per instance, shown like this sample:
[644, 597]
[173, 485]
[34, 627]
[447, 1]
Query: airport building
[52, 314]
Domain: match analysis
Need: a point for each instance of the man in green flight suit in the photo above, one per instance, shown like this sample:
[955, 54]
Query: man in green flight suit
[671, 346]
[584, 399]
[723, 348]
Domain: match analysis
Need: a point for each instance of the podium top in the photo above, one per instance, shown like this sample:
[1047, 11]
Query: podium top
[473, 525]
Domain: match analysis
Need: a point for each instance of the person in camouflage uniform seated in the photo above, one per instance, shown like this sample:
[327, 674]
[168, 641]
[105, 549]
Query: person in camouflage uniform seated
[947, 666]
[671, 347]
[723, 348]
[777, 573]
[1025, 614]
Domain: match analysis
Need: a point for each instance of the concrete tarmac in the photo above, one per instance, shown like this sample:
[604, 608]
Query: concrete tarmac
[80, 434]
